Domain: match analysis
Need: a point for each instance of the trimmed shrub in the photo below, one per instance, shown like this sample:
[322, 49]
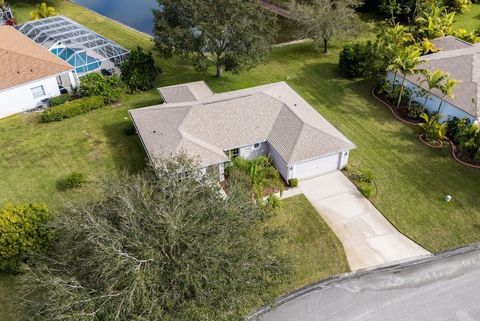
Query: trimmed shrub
[139, 71]
[23, 232]
[356, 59]
[59, 100]
[72, 180]
[273, 201]
[416, 110]
[293, 182]
[72, 108]
[95, 84]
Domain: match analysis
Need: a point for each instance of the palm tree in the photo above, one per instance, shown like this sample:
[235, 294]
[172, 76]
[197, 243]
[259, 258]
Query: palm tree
[407, 61]
[434, 81]
[42, 11]
[447, 89]
[435, 22]
[433, 129]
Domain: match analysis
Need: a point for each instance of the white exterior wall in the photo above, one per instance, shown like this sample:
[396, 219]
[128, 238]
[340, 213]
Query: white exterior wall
[447, 110]
[280, 164]
[20, 98]
[250, 152]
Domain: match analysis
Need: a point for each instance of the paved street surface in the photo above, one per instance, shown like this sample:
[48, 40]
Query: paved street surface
[439, 288]
[368, 238]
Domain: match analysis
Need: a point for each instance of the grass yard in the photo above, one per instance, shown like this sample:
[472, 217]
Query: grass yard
[470, 20]
[313, 248]
[8, 301]
[412, 179]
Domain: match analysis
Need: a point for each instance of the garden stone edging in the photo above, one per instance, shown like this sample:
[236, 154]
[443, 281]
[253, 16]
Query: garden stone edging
[392, 110]
[452, 145]
[422, 139]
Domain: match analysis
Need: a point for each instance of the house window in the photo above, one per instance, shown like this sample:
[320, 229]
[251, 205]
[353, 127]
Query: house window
[38, 92]
[234, 152]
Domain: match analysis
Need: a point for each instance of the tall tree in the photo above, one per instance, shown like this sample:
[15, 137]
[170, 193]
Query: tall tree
[435, 22]
[231, 34]
[448, 89]
[407, 62]
[390, 41]
[159, 247]
[433, 80]
[323, 20]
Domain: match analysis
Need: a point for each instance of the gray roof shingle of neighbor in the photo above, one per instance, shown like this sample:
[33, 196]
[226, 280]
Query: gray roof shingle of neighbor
[208, 127]
[450, 43]
[462, 64]
[192, 91]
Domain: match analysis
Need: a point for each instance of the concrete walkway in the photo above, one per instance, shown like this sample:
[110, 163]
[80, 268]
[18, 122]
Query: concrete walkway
[368, 238]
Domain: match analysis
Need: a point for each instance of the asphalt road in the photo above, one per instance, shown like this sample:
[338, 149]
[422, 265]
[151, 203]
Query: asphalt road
[440, 288]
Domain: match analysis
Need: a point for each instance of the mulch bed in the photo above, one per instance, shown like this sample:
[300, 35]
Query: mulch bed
[399, 114]
[435, 144]
[459, 159]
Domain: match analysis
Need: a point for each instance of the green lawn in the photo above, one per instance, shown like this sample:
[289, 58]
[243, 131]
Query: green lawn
[314, 250]
[8, 301]
[470, 20]
[411, 178]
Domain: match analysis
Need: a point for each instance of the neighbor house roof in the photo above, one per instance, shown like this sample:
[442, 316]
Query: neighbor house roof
[208, 127]
[462, 64]
[450, 43]
[23, 60]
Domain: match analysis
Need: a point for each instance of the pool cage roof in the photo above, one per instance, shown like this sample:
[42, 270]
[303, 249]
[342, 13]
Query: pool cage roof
[76, 44]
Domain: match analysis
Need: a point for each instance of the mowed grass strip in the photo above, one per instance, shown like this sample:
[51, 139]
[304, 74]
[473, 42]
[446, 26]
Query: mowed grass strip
[308, 242]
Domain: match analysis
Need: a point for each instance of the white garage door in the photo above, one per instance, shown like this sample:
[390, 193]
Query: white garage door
[317, 166]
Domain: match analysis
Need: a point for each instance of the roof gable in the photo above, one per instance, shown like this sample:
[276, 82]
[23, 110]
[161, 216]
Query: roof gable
[24, 61]
[274, 113]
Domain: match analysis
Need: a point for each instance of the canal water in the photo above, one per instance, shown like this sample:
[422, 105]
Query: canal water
[134, 13]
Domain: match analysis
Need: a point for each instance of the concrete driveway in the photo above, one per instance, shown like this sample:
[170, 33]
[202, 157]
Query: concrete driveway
[368, 238]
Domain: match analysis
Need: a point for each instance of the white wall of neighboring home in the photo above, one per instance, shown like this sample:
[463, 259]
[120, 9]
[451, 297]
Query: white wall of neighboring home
[279, 164]
[20, 98]
[447, 110]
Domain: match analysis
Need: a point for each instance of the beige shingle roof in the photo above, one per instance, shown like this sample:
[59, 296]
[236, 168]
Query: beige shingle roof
[23, 61]
[186, 92]
[207, 128]
[450, 43]
[463, 65]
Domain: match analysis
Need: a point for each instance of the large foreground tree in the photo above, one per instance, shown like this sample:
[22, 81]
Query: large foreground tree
[231, 34]
[323, 20]
[166, 247]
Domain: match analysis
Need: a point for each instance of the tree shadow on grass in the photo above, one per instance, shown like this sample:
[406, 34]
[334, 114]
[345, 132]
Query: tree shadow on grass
[126, 148]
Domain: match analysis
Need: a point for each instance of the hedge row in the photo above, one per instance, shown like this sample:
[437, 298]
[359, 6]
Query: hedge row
[72, 108]
[59, 100]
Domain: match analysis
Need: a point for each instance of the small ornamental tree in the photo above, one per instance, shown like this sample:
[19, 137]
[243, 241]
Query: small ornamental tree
[159, 247]
[95, 84]
[139, 71]
[23, 232]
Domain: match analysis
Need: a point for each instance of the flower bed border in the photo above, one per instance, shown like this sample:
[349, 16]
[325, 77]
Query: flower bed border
[424, 141]
[452, 145]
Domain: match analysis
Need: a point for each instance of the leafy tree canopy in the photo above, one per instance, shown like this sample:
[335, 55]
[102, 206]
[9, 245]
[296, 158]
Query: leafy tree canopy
[231, 34]
[139, 71]
[158, 247]
[323, 20]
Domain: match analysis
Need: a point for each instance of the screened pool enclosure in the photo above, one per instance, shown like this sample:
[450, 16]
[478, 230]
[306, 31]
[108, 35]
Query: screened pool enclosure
[82, 48]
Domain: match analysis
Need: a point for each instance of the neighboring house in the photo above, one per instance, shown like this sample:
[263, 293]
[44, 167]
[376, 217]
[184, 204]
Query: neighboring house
[82, 48]
[268, 120]
[462, 61]
[6, 16]
[29, 73]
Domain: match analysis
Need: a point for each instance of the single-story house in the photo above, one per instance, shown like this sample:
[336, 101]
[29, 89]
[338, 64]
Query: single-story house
[268, 120]
[29, 73]
[462, 61]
